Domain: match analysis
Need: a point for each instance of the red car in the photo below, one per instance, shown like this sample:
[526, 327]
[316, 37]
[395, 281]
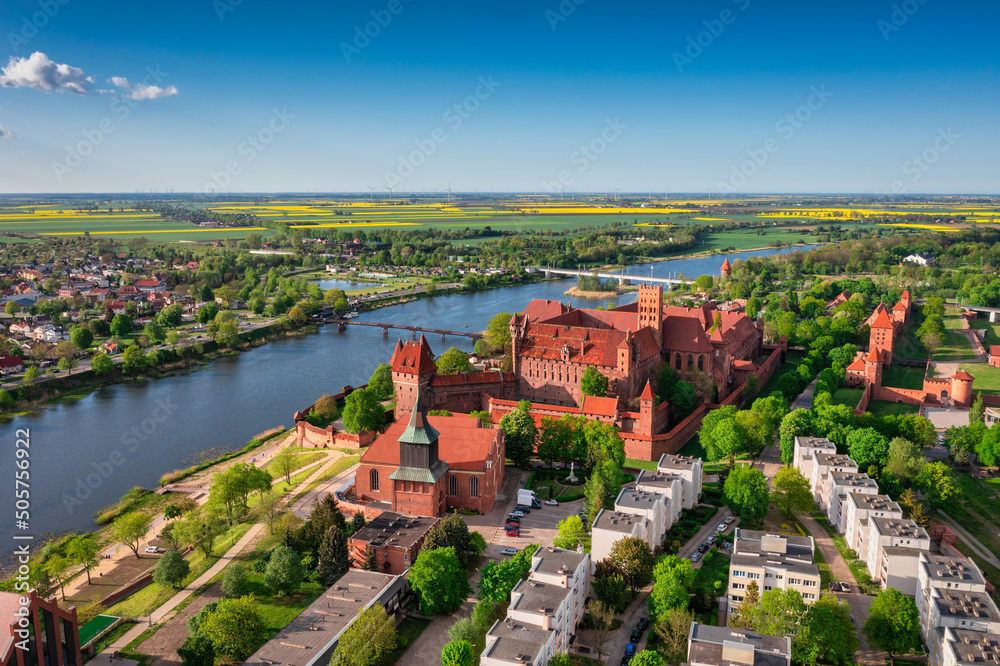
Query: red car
[512, 531]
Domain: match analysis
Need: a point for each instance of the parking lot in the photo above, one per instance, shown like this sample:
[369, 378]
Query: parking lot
[707, 530]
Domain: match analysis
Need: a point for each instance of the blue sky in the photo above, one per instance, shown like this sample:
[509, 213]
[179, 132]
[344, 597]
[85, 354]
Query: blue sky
[584, 95]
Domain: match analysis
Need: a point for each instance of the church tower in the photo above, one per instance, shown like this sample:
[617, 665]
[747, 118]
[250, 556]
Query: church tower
[651, 309]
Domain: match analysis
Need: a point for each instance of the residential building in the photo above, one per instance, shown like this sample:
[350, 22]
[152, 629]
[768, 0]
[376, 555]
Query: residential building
[860, 507]
[610, 527]
[690, 470]
[839, 486]
[772, 561]
[892, 551]
[394, 540]
[669, 486]
[824, 463]
[805, 449]
[49, 636]
[311, 638]
[509, 642]
[923, 259]
[964, 647]
[650, 505]
[709, 645]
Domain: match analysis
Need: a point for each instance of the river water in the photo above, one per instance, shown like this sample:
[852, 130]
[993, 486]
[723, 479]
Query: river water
[86, 454]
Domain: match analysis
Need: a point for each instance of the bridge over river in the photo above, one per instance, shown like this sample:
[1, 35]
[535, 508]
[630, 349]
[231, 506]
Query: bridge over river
[342, 325]
[623, 278]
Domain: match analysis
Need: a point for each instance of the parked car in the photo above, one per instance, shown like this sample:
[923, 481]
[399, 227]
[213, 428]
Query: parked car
[630, 649]
[722, 527]
[152, 549]
[516, 514]
[626, 660]
[844, 587]
[702, 547]
[729, 520]
[643, 624]
[834, 586]
[710, 540]
[513, 531]
[635, 636]
[551, 502]
[523, 508]
[696, 557]
[509, 551]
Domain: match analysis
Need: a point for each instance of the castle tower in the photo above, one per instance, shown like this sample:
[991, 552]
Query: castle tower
[727, 269]
[647, 402]
[651, 309]
[882, 335]
[873, 367]
[415, 482]
[625, 355]
[961, 388]
[413, 368]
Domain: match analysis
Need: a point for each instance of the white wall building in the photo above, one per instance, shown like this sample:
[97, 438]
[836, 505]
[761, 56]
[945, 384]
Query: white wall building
[893, 546]
[670, 485]
[860, 507]
[805, 449]
[772, 561]
[823, 464]
[839, 486]
[612, 526]
[691, 470]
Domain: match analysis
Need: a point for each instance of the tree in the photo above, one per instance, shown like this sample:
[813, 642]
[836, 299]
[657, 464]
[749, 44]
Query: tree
[561, 659]
[497, 333]
[893, 623]
[453, 362]
[154, 331]
[334, 558]
[284, 571]
[867, 446]
[197, 650]
[672, 580]
[121, 325]
[937, 482]
[593, 382]
[235, 627]
[134, 360]
[58, 566]
[672, 628]
[497, 579]
[571, 532]
[81, 336]
[101, 364]
[284, 464]
[648, 657]
[82, 551]
[440, 580]
[778, 613]
[381, 382]
[465, 630]
[31, 374]
[520, 433]
[368, 641]
[746, 493]
[130, 528]
[602, 619]
[171, 316]
[458, 653]
[743, 618]
[635, 561]
[905, 460]
[792, 493]
[827, 635]
[453, 532]
[207, 312]
[235, 583]
[794, 424]
[978, 410]
[171, 569]
[363, 412]
[201, 528]
[11, 308]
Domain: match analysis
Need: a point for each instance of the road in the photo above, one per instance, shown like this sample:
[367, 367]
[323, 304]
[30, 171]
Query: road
[707, 530]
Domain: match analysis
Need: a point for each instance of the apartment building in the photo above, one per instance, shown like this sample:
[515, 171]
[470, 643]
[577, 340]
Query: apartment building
[893, 547]
[772, 561]
[805, 449]
[823, 464]
[721, 646]
[962, 647]
[859, 508]
[690, 470]
[612, 526]
[839, 486]
[544, 610]
[668, 484]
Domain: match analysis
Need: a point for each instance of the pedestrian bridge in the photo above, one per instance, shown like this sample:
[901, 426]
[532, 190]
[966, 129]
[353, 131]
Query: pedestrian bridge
[623, 278]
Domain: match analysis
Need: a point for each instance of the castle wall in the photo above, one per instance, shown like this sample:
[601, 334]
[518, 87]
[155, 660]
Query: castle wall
[891, 394]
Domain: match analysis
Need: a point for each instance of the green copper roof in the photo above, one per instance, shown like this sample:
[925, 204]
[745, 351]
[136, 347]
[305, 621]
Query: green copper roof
[419, 431]
[419, 474]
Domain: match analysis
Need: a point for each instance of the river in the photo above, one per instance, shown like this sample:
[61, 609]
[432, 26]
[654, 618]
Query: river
[86, 454]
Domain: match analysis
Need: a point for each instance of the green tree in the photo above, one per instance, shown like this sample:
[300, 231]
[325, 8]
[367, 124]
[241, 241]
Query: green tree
[201, 528]
[121, 325]
[867, 446]
[634, 560]
[497, 333]
[497, 579]
[334, 557]
[58, 566]
[893, 623]
[134, 360]
[81, 336]
[778, 612]
[647, 658]
[938, 483]
[827, 635]
[746, 493]
[453, 532]
[368, 641]
[83, 551]
[11, 308]
[593, 382]
[284, 464]
[672, 628]
[284, 571]
[154, 331]
[571, 533]
[440, 580]
[672, 581]
[207, 313]
[235, 583]
[458, 653]
[520, 433]
[561, 659]
[465, 630]
[171, 316]
[31, 374]
[792, 493]
[381, 382]
[363, 412]
[171, 569]
[794, 424]
[978, 410]
[197, 650]
[6, 400]
[130, 528]
[453, 362]
[905, 460]
[235, 627]
[101, 364]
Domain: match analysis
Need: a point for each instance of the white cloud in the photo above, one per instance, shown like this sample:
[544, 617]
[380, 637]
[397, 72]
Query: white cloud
[4, 134]
[141, 91]
[40, 73]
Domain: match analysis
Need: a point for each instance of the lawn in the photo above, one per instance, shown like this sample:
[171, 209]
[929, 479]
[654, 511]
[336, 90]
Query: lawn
[904, 377]
[791, 364]
[298, 461]
[992, 337]
[886, 408]
[977, 509]
[954, 347]
[549, 484]
[635, 463]
[847, 396]
[987, 377]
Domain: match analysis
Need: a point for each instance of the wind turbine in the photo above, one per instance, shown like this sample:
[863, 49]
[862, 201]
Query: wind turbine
[371, 193]
[449, 190]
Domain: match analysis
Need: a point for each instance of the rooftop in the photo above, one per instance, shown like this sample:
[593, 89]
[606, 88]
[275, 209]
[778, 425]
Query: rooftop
[395, 529]
[617, 521]
[516, 643]
[953, 569]
[973, 647]
[659, 479]
[669, 461]
[638, 499]
[724, 646]
[962, 604]
[874, 502]
[530, 596]
[900, 527]
[834, 460]
[855, 479]
[553, 561]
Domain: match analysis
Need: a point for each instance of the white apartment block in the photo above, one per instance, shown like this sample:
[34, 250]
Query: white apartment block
[690, 469]
[772, 561]
[612, 526]
[805, 449]
[670, 485]
[714, 646]
[652, 506]
[839, 486]
[544, 610]
[822, 464]
[859, 508]
[962, 647]
[892, 551]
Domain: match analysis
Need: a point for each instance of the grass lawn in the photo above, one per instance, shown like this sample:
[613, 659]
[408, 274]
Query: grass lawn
[992, 335]
[977, 509]
[335, 469]
[886, 408]
[987, 377]
[954, 347]
[649, 465]
[847, 396]
[407, 632]
[298, 461]
[904, 377]
[791, 364]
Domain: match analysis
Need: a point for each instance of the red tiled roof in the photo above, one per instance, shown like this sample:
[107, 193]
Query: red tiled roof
[462, 443]
[599, 406]
[899, 306]
[647, 393]
[963, 376]
[540, 310]
[148, 283]
[906, 294]
[858, 365]
[873, 356]
[725, 264]
[882, 320]
[586, 345]
[994, 350]
[414, 358]
[745, 365]
[684, 334]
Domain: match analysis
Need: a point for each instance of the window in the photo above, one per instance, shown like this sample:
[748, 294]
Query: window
[474, 486]
[373, 479]
[690, 361]
[754, 576]
[677, 361]
[740, 574]
[453, 485]
[701, 363]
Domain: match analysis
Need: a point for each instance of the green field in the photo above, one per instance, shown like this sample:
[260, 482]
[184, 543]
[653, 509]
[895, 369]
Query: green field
[987, 377]
[886, 408]
[992, 331]
[847, 396]
[905, 377]
[791, 364]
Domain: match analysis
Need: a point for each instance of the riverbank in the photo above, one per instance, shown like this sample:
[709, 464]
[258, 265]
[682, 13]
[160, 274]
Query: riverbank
[592, 295]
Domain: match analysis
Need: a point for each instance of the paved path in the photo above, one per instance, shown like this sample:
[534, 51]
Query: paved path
[974, 544]
[805, 399]
[615, 648]
[708, 529]
[838, 567]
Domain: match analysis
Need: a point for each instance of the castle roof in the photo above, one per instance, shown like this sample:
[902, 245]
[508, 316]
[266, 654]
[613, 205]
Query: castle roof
[873, 356]
[725, 264]
[647, 393]
[899, 306]
[882, 319]
[858, 364]
[599, 406]
[685, 334]
[462, 444]
[962, 375]
[418, 431]
[586, 345]
[413, 358]
[540, 310]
